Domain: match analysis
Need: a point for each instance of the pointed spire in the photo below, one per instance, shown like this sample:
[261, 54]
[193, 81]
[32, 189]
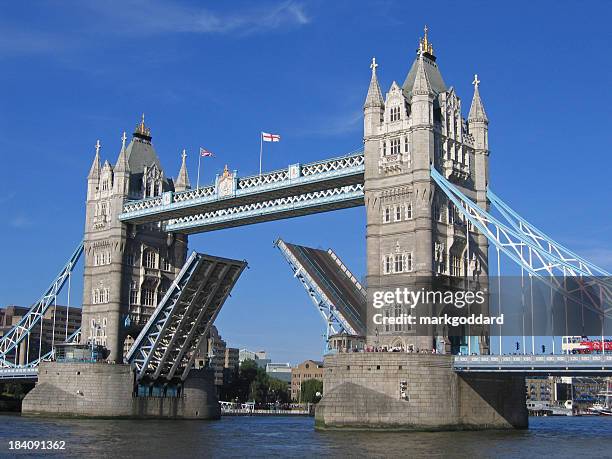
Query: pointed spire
[94, 171]
[477, 111]
[421, 86]
[425, 45]
[142, 132]
[122, 161]
[182, 181]
[374, 97]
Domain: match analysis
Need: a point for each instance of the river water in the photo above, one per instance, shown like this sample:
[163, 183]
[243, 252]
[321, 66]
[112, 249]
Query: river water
[295, 437]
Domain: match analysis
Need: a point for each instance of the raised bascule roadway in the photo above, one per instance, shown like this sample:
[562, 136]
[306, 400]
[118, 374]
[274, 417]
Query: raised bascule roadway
[430, 211]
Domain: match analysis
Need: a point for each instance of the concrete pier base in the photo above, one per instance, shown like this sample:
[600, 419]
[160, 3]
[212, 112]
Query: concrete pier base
[103, 390]
[398, 391]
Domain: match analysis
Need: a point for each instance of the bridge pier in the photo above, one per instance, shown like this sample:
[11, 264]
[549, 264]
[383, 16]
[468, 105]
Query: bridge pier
[104, 390]
[400, 391]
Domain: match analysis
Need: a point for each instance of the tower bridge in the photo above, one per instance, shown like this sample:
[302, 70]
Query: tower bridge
[422, 176]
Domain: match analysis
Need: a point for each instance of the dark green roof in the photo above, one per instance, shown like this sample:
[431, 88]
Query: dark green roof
[141, 154]
[433, 74]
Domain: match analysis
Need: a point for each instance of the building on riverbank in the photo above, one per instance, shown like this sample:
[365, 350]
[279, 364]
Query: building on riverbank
[308, 369]
[59, 322]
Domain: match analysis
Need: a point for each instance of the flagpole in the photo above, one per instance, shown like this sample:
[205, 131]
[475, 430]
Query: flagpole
[260, 150]
[199, 160]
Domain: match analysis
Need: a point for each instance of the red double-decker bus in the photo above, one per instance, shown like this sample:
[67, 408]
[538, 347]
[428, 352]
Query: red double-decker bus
[585, 345]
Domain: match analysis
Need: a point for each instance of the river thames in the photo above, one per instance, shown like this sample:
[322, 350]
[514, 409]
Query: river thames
[295, 437]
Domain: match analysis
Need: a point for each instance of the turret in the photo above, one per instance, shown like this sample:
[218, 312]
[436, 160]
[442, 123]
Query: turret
[93, 179]
[374, 106]
[478, 125]
[477, 120]
[182, 181]
[122, 170]
[422, 96]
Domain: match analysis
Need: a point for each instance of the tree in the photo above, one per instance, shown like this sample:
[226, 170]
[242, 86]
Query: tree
[278, 391]
[309, 390]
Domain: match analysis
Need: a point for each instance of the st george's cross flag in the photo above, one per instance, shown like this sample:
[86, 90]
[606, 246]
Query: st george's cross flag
[266, 137]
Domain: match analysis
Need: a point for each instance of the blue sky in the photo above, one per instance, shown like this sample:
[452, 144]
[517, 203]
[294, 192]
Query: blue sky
[217, 73]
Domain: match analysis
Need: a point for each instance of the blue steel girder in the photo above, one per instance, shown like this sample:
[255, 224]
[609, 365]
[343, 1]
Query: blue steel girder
[581, 266]
[296, 179]
[275, 209]
[167, 346]
[537, 260]
[334, 320]
[74, 338]
[11, 340]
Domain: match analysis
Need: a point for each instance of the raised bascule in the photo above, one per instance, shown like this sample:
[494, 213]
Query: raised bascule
[423, 178]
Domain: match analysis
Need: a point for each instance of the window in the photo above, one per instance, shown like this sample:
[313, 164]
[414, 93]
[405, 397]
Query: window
[399, 265]
[150, 259]
[398, 313]
[408, 212]
[130, 259]
[387, 315]
[105, 295]
[148, 297]
[387, 215]
[395, 146]
[395, 114]
[406, 145]
[455, 265]
[388, 264]
[408, 262]
[104, 185]
[166, 264]
[133, 296]
[398, 213]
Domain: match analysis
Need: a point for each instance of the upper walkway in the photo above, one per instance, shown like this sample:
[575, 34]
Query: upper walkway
[299, 189]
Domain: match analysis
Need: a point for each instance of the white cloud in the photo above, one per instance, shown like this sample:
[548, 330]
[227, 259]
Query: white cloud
[19, 221]
[96, 20]
[139, 17]
[338, 124]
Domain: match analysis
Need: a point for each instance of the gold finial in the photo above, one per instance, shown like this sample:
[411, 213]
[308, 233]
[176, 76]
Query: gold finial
[226, 172]
[425, 45]
[142, 129]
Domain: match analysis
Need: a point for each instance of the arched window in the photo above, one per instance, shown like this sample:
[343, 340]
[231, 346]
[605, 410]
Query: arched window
[408, 211]
[148, 297]
[150, 259]
[398, 314]
[395, 146]
[388, 264]
[387, 214]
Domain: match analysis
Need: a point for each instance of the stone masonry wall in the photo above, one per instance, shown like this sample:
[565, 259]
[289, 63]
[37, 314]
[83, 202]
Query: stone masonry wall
[362, 390]
[102, 390]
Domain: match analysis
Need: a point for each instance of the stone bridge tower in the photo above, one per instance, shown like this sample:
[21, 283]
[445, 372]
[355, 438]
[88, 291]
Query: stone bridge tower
[414, 237]
[128, 268]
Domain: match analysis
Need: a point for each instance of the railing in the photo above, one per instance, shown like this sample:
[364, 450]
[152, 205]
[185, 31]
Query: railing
[565, 362]
[278, 205]
[296, 173]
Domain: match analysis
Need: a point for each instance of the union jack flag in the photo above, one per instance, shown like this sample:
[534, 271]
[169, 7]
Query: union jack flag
[205, 153]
